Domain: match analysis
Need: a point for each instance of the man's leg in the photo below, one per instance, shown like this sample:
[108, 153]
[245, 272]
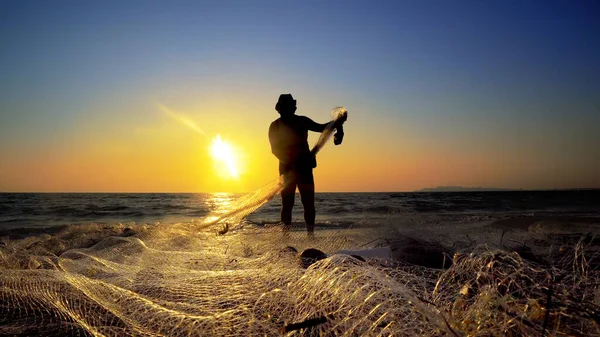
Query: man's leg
[306, 186]
[288, 194]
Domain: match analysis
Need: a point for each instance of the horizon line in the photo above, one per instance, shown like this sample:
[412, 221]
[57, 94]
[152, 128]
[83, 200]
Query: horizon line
[485, 189]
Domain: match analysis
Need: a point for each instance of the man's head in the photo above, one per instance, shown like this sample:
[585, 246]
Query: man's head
[286, 105]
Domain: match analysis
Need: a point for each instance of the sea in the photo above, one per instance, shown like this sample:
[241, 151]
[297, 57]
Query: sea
[25, 213]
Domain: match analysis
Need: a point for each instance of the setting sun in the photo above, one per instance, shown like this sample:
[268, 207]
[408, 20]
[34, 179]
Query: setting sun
[225, 158]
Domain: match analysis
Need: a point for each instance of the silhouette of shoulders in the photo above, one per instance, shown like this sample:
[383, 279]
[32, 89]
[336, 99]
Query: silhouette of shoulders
[301, 123]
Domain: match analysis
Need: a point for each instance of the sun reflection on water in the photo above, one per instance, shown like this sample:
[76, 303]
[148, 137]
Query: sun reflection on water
[218, 203]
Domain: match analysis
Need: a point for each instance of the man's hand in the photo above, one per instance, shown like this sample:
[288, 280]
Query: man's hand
[340, 121]
[339, 136]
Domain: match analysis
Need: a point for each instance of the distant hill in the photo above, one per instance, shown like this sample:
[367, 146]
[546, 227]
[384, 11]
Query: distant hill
[463, 189]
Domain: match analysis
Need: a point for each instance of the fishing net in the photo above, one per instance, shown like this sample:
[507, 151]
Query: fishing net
[174, 281]
[198, 279]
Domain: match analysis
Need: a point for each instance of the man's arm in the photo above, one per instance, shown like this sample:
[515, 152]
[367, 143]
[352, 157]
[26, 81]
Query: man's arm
[311, 125]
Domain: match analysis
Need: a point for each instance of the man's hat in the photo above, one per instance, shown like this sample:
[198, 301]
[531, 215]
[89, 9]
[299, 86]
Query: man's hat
[285, 100]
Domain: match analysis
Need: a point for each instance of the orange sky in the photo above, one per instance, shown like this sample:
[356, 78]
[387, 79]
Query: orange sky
[160, 153]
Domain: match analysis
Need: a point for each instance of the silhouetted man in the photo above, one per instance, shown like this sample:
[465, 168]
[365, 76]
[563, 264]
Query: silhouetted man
[289, 143]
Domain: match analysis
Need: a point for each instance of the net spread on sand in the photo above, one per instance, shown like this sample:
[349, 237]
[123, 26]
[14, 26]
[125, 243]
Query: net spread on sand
[189, 280]
[176, 281]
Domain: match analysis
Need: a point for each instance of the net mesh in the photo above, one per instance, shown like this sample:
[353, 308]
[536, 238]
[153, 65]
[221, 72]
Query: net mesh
[177, 280]
[174, 280]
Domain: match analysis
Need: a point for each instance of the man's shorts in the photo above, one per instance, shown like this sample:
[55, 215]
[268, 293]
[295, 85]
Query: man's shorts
[298, 177]
[304, 177]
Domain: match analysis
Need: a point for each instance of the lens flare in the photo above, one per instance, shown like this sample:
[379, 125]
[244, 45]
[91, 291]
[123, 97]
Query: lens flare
[223, 154]
[181, 119]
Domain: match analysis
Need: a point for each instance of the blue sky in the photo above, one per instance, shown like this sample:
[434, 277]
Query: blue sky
[499, 81]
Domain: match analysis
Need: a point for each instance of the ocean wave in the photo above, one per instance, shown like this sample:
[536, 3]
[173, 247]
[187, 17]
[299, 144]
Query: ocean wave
[52, 209]
[110, 208]
[196, 212]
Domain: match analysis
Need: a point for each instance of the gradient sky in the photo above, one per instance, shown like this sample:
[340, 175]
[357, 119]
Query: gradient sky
[471, 93]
